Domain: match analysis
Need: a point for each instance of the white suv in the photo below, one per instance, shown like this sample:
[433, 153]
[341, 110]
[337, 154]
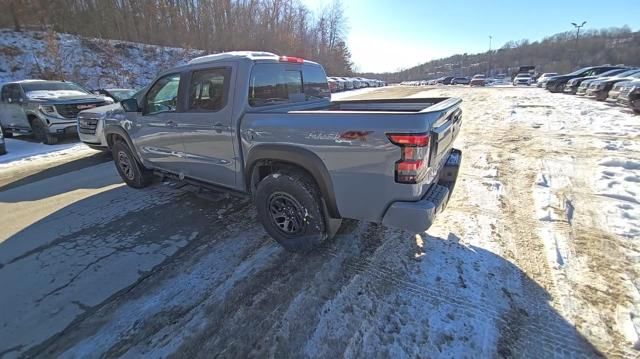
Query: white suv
[522, 79]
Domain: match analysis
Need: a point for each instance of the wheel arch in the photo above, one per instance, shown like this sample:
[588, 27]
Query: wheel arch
[264, 159]
[113, 133]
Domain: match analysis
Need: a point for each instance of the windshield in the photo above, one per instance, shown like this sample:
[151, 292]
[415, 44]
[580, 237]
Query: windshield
[627, 73]
[579, 72]
[51, 86]
[611, 72]
[120, 95]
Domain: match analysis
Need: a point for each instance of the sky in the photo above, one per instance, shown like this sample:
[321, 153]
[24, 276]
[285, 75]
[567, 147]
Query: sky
[388, 35]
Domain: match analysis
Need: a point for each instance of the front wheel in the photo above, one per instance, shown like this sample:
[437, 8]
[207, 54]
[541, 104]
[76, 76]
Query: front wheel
[41, 133]
[132, 172]
[289, 208]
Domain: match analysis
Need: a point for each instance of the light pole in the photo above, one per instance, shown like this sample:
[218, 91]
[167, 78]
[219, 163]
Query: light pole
[489, 72]
[578, 27]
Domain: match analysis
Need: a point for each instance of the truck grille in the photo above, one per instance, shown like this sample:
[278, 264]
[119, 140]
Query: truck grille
[71, 110]
[87, 125]
[624, 92]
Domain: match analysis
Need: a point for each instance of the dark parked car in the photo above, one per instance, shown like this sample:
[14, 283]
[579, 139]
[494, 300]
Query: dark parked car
[630, 96]
[3, 148]
[557, 83]
[460, 81]
[478, 80]
[618, 88]
[446, 80]
[574, 86]
[600, 89]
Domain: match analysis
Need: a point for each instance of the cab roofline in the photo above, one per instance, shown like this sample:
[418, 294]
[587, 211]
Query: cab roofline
[238, 55]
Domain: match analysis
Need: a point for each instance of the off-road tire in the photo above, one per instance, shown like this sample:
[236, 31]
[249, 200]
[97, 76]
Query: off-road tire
[131, 171]
[41, 134]
[7, 133]
[288, 199]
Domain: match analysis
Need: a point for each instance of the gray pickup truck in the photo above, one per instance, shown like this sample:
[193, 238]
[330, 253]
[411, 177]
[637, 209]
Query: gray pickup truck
[264, 125]
[46, 109]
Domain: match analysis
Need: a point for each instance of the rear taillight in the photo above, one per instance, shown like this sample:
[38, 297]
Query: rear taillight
[296, 60]
[412, 166]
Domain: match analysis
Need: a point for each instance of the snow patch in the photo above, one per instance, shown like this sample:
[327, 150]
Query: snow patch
[21, 151]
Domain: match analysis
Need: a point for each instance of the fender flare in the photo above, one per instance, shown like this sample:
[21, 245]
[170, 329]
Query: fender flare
[300, 157]
[117, 130]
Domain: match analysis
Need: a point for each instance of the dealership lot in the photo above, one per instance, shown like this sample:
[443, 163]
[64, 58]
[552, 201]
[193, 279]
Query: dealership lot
[536, 251]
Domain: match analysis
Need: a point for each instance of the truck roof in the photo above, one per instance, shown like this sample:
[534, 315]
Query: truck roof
[234, 55]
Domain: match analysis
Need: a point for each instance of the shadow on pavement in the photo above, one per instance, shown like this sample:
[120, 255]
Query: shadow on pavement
[371, 292]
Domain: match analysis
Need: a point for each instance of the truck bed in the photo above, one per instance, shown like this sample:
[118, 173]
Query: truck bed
[411, 105]
[351, 139]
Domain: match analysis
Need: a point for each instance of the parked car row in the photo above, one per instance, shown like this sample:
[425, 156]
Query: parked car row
[337, 84]
[476, 80]
[614, 84]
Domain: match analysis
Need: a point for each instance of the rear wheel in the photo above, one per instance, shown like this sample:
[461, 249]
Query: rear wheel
[289, 208]
[41, 134]
[132, 172]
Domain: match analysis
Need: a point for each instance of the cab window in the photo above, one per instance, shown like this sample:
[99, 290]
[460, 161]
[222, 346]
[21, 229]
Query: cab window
[315, 82]
[163, 95]
[272, 84]
[208, 90]
[10, 93]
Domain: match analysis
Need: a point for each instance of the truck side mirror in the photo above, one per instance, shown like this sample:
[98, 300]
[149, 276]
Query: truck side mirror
[130, 105]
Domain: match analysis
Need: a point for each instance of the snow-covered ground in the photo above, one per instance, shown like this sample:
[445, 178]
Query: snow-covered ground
[21, 151]
[93, 63]
[535, 256]
[346, 94]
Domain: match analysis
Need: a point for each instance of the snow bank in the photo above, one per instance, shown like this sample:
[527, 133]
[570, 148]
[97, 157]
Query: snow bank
[93, 63]
[21, 151]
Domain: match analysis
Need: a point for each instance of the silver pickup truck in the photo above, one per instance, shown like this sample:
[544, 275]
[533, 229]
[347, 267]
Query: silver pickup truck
[264, 125]
[46, 109]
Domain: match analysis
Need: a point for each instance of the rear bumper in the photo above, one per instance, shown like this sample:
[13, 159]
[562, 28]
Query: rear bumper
[419, 216]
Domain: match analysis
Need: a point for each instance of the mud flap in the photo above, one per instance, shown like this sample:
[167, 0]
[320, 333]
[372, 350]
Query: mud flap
[449, 172]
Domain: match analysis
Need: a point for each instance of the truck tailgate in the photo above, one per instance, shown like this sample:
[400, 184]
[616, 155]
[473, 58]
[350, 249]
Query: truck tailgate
[443, 134]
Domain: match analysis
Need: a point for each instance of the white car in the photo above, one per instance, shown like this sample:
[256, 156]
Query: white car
[522, 79]
[542, 80]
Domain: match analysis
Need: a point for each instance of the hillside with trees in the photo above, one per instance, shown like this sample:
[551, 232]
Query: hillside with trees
[281, 26]
[558, 53]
